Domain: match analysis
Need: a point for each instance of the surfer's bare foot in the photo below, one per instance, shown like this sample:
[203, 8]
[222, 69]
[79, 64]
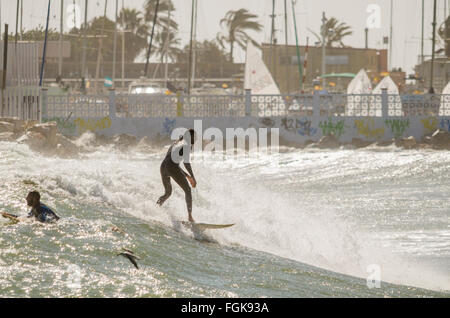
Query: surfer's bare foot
[191, 219]
[160, 201]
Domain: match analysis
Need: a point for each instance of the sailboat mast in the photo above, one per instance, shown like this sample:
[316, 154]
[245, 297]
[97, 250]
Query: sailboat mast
[190, 49]
[272, 35]
[166, 70]
[288, 60]
[194, 45]
[390, 37]
[299, 62]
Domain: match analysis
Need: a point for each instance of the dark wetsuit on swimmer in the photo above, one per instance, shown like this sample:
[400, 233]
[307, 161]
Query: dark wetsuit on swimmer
[39, 211]
[43, 214]
[170, 168]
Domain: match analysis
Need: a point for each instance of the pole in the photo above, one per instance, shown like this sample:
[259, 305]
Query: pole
[83, 61]
[16, 38]
[431, 90]
[45, 46]
[423, 32]
[366, 30]
[17, 23]
[190, 49]
[324, 33]
[299, 62]
[445, 10]
[390, 37]
[305, 63]
[123, 46]
[166, 71]
[5, 66]
[151, 39]
[194, 45]
[272, 36]
[21, 20]
[100, 47]
[115, 44]
[287, 48]
[60, 41]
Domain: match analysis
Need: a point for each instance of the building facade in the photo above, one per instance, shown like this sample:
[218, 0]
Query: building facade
[441, 74]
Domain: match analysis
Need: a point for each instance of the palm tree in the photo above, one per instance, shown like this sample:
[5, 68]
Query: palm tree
[237, 24]
[335, 32]
[136, 30]
[166, 47]
[162, 19]
[443, 40]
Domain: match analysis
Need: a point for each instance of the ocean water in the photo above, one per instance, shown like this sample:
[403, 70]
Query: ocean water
[309, 223]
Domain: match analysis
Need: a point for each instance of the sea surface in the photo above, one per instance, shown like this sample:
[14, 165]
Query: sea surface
[308, 223]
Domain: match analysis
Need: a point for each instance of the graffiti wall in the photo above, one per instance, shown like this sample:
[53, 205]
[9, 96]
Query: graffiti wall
[293, 129]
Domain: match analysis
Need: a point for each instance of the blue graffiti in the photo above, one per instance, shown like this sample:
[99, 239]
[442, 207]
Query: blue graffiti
[305, 129]
[168, 126]
[445, 124]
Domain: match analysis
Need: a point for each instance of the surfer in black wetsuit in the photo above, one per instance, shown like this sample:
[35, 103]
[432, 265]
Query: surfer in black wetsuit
[170, 168]
[40, 211]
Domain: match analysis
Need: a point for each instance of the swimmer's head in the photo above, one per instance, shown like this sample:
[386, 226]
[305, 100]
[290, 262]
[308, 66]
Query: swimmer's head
[33, 198]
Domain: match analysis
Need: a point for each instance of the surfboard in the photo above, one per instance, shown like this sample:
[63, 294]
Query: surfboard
[204, 226]
[10, 216]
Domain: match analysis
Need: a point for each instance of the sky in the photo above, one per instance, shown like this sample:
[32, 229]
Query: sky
[407, 15]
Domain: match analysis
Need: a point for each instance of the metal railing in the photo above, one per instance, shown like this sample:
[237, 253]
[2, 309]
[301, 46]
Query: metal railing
[20, 102]
[193, 106]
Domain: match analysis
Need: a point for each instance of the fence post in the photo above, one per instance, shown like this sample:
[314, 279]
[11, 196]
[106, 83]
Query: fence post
[316, 104]
[179, 104]
[248, 102]
[112, 103]
[43, 104]
[384, 103]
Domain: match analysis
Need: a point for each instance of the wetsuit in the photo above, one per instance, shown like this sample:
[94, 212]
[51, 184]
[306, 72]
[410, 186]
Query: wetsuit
[43, 214]
[171, 169]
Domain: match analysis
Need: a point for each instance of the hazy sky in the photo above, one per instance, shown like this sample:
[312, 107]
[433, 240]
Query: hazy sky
[406, 20]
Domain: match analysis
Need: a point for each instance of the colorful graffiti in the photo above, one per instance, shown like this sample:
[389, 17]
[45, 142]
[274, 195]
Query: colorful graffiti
[397, 126]
[168, 126]
[366, 127]
[445, 124]
[430, 125]
[305, 128]
[328, 127]
[65, 126]
[302, 126]
[92, 124]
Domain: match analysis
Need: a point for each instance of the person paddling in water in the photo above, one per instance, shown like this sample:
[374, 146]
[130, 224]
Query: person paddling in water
[170, 168]
[40, 211]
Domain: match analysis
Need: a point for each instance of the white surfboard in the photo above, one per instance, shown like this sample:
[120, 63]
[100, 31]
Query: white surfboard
[204, 226]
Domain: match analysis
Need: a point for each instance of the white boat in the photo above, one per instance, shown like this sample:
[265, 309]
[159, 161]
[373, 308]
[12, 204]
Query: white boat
[357, 102]
[259, 80]
[394, 100]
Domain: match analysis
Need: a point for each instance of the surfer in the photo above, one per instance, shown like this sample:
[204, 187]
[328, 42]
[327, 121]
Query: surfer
[170, 168]
[40, 211]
